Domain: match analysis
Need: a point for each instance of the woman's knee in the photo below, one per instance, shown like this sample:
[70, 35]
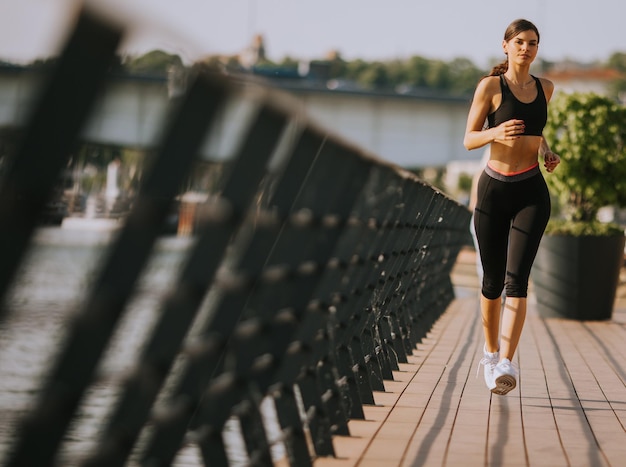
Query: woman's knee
[516, 289]
[492, 289]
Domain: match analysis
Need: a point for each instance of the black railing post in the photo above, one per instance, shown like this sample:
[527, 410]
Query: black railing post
[93, 327]
[50, 136]
[308, 280]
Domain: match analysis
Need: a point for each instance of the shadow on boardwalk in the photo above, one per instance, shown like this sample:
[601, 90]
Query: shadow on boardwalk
[569, 408]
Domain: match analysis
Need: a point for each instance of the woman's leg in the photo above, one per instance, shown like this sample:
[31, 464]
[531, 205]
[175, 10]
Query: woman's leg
[490, 311]
[512, 324]
[526, 232]
[491, 227]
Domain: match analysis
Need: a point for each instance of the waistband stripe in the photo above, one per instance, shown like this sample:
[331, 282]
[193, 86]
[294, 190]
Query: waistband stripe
[513, 176]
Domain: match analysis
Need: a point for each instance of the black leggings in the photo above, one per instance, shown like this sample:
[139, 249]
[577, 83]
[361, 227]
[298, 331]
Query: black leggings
[510, 217]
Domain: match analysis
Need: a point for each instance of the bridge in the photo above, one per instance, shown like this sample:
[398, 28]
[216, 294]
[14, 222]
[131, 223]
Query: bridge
[323, 313]
[410, 129]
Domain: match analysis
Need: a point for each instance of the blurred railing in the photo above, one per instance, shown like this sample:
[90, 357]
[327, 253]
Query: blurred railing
[313, 272]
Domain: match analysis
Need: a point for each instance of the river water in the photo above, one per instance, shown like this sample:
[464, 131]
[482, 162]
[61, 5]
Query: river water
[52, 283]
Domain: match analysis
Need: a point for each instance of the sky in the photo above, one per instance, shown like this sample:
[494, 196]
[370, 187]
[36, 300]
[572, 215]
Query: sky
[366, 29]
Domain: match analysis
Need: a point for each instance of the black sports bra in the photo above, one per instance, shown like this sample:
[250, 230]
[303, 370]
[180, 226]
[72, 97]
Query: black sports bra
[534, 114]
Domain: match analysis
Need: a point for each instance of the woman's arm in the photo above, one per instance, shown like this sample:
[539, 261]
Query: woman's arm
[548, 88]
[475, 136]
[550, 159]
[482, 103]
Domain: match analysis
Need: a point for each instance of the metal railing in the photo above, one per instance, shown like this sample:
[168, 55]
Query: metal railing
[314, 271]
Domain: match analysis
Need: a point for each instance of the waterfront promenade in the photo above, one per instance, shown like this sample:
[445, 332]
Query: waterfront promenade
[569, 408]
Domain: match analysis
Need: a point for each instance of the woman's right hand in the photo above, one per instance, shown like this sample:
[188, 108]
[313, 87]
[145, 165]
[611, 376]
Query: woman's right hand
[509, 130]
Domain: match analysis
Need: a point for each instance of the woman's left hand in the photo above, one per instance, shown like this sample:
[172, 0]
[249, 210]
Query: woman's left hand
[550, 161]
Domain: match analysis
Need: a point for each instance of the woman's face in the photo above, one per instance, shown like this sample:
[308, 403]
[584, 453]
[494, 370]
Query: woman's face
[522, 49]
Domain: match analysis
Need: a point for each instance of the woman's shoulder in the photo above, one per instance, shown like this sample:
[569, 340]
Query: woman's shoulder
[489, 84]
[547, 85]
[491, 80]
[545, 82]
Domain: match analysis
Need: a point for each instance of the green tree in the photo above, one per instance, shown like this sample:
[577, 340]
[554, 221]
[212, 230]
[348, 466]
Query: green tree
[216, 62]
[338, 66]
[617, 88]
[397, 72]
[288, 63]
[417, 71]
[156, 62]
[588, 131]
[617, 61]
[463, 76]
[354, 69]
[374, 76]
[438, 75]
[465, 183]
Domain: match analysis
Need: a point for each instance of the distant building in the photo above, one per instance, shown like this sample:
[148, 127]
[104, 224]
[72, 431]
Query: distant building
[254, 54]
[579, 79]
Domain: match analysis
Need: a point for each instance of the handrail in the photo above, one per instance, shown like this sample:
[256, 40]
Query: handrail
[313, 272]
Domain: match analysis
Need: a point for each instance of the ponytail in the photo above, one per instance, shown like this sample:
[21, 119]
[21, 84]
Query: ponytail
[499, 69]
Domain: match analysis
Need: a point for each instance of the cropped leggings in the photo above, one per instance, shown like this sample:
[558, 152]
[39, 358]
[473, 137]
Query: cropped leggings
[511, 214]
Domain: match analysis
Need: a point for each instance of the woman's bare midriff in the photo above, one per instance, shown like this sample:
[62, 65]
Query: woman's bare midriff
[516, 155]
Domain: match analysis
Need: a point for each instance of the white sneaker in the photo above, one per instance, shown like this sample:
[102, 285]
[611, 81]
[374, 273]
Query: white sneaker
[505, 377]
[489, 362]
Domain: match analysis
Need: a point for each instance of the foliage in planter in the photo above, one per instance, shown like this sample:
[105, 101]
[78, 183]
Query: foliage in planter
[582, 229]
[588, 132]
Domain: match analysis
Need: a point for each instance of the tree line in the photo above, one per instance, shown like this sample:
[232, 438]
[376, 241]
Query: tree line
[456, 77]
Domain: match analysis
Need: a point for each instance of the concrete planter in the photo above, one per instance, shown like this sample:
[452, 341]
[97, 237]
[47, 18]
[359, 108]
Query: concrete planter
[577, 277]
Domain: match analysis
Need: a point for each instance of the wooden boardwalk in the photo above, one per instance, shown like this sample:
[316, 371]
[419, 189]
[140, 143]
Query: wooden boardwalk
[569, 408]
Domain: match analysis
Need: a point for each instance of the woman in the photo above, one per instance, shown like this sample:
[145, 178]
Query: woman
[513, 203]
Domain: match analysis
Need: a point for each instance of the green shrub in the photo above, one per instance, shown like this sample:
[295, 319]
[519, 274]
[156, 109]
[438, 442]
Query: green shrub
[588, 132]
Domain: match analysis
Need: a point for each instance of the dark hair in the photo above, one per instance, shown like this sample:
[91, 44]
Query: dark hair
[516, 27]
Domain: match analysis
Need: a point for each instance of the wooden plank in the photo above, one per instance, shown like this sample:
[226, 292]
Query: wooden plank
[569, 407]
